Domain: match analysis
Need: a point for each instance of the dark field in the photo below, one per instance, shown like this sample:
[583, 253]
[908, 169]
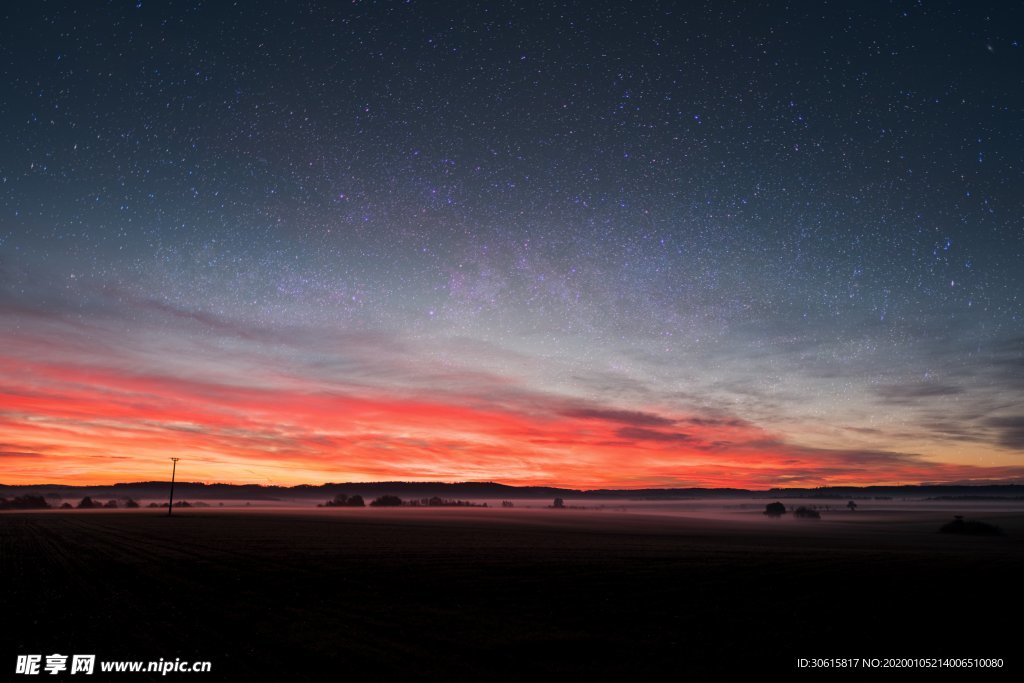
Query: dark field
[479, 594]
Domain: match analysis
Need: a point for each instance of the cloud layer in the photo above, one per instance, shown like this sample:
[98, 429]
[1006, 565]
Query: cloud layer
[109, 396]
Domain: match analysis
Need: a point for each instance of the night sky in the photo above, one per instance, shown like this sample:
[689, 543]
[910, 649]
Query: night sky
[588, 244]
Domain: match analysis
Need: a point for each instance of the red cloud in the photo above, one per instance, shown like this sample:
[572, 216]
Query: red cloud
[90, 424]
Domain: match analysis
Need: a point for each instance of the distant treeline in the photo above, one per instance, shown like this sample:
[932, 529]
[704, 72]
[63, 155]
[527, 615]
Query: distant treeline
[477, 490]
[24, 503]
[29, 502]
[1000, 498]
[349, 501]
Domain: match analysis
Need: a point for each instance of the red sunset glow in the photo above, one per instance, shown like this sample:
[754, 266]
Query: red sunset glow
[66, 422]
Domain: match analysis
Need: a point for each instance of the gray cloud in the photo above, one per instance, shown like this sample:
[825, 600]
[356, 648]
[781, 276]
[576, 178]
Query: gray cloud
[1011, 430]
[716, 422]
[629, 417]
[911, 393]
[641, 434]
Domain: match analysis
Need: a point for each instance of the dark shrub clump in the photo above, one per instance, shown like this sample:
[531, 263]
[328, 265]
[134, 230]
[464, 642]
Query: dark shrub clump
[26, 502]
[343, 501]
[970, 527]
[775, 509]
[807, 513]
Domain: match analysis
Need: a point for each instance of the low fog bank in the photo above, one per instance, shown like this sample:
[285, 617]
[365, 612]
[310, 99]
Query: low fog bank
[730, 525]
[678, 501]
[723, 508]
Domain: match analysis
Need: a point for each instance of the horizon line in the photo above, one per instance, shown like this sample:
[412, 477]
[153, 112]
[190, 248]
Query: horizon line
[963, 484]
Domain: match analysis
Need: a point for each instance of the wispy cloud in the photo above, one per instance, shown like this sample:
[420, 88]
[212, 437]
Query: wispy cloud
[910, 393]
[629, 417]
[1010, 430]
[642, 434]
[106, 397]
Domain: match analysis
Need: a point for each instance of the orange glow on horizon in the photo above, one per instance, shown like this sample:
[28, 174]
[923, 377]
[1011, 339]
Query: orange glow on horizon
[74, 424]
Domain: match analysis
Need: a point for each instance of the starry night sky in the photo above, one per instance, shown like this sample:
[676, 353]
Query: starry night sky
[577, 243]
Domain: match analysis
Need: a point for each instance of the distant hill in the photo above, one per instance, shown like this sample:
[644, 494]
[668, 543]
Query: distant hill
[469, 490]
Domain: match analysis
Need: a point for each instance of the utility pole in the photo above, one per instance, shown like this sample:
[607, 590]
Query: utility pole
[170, 501]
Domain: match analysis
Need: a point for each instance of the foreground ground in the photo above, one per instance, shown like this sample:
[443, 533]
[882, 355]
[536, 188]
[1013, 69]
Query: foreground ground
[475, 594]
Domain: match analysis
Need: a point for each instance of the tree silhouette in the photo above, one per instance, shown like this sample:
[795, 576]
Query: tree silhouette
[852, 506]
[26, 502]
[87, 503]
[343, 501]
[386, 501]
[775, 509]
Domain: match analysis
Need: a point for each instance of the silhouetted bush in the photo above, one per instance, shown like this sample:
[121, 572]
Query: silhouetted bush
[130, 503]
[807, 513]
[87, 503]
[25, 502]
[438, 501]
[343, 501]
[65, 506]
[852, 505]
[386, 501]
[775, 509]
[111, 504]
[559, 503]
[970, 527]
